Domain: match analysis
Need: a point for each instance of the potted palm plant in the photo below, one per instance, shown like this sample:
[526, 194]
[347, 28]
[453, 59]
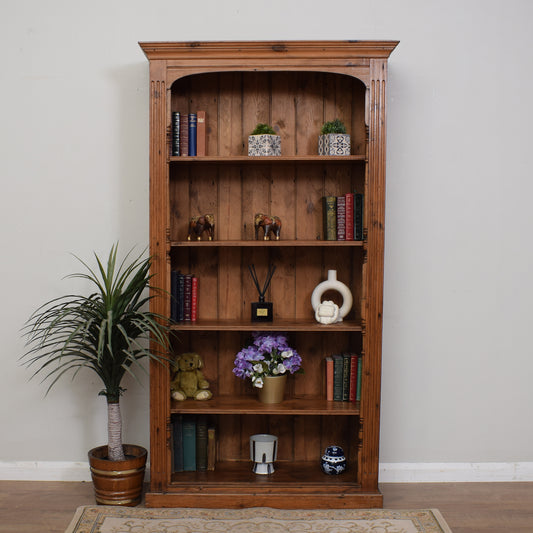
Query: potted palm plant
[106, 332]
[264, 141]
[333, 139]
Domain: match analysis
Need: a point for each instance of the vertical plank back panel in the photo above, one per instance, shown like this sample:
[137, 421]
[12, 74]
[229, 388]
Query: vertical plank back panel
[203, 96]
[282, 287]
[230, 126]
[283, 112]
[179, 203]
[308, 205]
[309, 111]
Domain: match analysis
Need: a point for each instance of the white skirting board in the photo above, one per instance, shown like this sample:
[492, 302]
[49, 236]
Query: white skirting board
[454, 472]
[388, 472]
[44, 471]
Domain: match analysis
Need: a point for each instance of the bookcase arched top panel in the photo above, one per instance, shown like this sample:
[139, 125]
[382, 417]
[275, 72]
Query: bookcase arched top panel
[182, 76]
[357, 72]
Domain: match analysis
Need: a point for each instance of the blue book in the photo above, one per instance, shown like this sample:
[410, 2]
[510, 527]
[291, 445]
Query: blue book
[180, 314]
[192, 134]
[189, 443]
[174, 276]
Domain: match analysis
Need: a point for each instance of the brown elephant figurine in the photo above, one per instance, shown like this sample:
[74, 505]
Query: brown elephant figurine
[198, 225]
[271, 226]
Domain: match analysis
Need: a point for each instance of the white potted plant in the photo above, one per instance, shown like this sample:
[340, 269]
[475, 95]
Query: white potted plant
[106, 332]
[333, 139]
[263, 141]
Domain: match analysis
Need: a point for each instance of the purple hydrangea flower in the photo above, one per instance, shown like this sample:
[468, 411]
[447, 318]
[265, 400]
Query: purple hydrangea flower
[267, 355]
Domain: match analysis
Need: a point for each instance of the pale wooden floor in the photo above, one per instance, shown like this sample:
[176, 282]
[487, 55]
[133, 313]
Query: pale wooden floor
[47, 507]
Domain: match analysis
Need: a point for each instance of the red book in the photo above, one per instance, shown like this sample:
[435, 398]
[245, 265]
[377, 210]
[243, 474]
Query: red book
[349, 216]
[194, 298]
[187, 297]
[354, 361]
[329, 379]
[200, 133]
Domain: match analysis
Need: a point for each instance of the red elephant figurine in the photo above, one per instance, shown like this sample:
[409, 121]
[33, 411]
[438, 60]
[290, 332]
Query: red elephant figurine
[198, 225]
[271, 226]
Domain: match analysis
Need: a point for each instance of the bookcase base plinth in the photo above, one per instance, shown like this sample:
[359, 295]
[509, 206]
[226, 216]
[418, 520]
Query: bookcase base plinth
[228, 498]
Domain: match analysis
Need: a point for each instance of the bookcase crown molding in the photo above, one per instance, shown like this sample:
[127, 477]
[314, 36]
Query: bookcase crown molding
[248, 50]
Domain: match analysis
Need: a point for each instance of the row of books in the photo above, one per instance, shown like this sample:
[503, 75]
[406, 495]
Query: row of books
[343, 377]
[188, 133]
[184, 297]
[193, 443]
[343, 217]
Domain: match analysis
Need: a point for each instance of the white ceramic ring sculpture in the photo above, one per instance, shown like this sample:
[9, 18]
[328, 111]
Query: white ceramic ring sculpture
[325, 312]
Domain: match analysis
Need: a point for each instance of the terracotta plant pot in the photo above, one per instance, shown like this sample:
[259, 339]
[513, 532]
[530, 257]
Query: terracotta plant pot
[118, 482]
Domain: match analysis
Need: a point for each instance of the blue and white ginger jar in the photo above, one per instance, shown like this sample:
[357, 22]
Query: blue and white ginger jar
[333, 461]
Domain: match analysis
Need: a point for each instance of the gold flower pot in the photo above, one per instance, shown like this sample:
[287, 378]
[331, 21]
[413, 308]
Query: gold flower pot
[273, 389]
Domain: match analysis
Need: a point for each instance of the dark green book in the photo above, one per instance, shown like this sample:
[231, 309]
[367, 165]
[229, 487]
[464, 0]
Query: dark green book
[329, 214]
[189, 443]
[177, 442]
[358, 204]
[337, 377]
[359, 376]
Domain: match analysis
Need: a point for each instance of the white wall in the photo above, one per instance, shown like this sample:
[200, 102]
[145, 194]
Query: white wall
[457, 361]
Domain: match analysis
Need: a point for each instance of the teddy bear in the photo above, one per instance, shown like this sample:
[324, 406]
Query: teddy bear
[188, 380]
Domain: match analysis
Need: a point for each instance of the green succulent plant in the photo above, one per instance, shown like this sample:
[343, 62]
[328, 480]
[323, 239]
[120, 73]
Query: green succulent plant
[107, 331]
[263, 129]
[333, 126]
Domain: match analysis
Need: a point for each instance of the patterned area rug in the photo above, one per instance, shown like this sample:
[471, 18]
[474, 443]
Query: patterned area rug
[108, 519]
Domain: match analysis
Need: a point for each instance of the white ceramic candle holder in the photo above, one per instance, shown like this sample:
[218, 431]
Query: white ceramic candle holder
[328, 312]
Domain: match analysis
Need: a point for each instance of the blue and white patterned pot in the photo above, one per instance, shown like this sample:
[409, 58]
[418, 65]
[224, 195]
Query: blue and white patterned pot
[334, 144]
[333, 461]
[265, 144]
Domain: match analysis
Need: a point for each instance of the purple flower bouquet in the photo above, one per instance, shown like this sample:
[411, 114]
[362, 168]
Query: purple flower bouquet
[267, 355]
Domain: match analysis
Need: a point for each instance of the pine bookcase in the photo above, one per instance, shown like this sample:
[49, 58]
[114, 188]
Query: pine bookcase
[294, 86]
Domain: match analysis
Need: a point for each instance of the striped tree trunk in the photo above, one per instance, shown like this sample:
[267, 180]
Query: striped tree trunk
[114, 432]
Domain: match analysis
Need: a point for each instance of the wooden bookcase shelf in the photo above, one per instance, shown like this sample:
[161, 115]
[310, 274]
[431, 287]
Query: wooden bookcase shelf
[287, 473]
[267, 160]
[294, 86]
[228, 405]
[228, 324]
[263, 244]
